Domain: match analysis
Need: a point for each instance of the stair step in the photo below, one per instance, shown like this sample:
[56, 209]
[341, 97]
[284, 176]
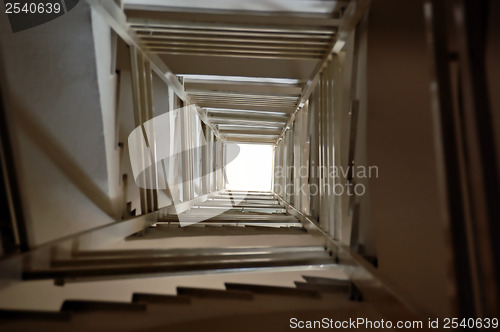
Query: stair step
[326, 281]
[159, 298]
[214, 293]
[245, 193]
[187, 252]
[259, 209]
[233, 265]
[273, 290]
[191, 259]
[34, 315]
[87, 305]
[234, 225]
[244, 200]
[323, 287]
[233, 218]
[241, 205]
[244, 197]
[296, 228]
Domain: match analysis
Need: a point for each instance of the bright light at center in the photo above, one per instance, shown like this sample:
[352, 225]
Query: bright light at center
[252, 168]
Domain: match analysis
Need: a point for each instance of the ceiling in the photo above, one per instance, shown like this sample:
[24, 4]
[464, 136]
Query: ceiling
[297, 6]
[246, 63]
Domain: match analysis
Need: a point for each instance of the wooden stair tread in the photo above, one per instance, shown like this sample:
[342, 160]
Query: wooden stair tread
[214, 293]
[325, 281]
[89, 305]
[323, 287]
[7, 314]
[273, 290]
[160, 298]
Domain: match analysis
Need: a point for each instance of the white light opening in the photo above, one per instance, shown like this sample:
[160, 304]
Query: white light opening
[252, 169]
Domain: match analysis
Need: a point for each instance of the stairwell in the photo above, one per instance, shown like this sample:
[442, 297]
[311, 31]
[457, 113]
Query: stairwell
[88, 243]
[255, 236]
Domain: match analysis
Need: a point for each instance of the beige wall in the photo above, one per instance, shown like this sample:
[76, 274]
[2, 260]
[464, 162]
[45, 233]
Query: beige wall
[404, 200]
[493, 69]
[61, 123]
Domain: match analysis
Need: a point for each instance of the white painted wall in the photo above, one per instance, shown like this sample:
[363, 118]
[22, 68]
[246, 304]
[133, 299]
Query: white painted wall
[161, 106]
[107, 79]
[59, 125]
[126, 124]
